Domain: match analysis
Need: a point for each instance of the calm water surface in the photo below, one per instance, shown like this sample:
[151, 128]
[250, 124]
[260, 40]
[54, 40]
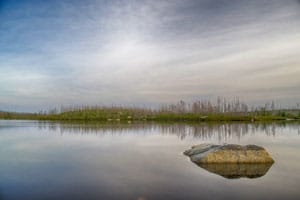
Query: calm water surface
[139, 161]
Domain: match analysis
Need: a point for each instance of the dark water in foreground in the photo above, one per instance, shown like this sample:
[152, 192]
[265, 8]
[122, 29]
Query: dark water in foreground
[139, 161]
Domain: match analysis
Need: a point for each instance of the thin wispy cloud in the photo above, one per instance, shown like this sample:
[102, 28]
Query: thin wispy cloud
[147, 52]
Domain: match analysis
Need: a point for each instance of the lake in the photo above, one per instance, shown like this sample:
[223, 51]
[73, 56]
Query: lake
[49, 160]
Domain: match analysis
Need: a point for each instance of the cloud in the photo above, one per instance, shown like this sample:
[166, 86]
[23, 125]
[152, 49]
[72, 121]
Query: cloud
[146, 52]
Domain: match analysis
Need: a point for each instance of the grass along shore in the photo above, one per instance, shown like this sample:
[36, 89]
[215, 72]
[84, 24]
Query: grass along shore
[201, 110]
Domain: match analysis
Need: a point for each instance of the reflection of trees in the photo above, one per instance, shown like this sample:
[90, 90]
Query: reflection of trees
[225, 131]
[96, 128]
[219, 131]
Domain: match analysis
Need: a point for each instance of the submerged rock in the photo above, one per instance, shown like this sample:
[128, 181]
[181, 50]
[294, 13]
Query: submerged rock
[228, 153]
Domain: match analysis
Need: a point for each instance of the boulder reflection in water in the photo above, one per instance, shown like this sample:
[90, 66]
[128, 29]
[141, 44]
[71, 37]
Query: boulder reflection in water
[234, 171]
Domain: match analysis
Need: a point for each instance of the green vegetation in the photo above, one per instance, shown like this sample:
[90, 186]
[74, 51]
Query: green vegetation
[197, 111]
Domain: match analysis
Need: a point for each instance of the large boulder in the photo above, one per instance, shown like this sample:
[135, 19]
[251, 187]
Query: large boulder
[228, 153]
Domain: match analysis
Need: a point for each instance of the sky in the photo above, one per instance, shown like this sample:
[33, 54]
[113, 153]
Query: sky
[146, 53]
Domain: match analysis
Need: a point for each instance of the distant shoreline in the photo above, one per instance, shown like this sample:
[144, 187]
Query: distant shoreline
[130, 116]
[197, 111]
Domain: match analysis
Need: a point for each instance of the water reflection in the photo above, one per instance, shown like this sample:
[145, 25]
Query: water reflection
[234, 171]
[219, 131]
[127, 161]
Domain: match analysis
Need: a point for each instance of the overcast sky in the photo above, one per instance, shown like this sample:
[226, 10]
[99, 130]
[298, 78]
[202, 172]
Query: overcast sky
[143, 52]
